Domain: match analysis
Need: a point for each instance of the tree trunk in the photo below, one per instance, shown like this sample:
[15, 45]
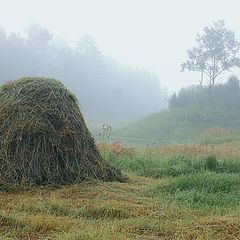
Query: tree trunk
[201, 80]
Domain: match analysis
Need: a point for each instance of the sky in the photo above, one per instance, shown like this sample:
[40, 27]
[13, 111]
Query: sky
[152, 34]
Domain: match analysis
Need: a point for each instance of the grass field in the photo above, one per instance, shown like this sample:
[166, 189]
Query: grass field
[173, 128]
[107, 211]
[181, 192]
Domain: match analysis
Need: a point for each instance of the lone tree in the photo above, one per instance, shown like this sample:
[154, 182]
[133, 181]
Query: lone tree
[216, 51]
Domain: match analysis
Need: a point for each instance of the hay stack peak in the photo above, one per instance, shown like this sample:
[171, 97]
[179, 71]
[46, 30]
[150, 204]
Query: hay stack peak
[44, 138]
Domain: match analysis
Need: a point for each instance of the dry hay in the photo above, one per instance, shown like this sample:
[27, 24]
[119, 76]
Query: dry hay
[44, 138]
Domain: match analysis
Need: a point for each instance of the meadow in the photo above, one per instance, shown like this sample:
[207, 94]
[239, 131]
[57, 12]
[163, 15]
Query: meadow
[205, 177]
[173, 192]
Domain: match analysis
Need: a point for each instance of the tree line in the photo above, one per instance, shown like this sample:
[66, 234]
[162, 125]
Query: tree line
[218, 106]
[105, 88]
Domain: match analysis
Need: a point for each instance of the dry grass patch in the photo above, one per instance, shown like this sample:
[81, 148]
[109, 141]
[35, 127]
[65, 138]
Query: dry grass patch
[106, 211]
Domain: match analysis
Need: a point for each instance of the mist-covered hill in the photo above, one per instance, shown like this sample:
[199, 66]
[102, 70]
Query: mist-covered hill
[192, 111]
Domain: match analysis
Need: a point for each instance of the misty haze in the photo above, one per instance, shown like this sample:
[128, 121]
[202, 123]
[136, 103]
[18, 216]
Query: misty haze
[119, 119]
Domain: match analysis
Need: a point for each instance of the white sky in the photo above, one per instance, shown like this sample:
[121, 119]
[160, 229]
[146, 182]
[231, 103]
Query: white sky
[145, 33]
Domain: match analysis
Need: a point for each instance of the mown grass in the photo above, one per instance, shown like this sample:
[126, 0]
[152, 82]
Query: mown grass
[96, 210]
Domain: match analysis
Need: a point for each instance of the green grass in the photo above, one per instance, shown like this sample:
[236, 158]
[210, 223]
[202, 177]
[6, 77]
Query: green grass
[188, 194]
[202, 181]
[106, 211]
[218, 136]
[172, 127]
[150, 163]
[164, 128]
[206, 190]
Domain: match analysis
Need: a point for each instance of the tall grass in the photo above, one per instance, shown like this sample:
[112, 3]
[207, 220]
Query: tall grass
[173, 161]
[207, 180]
[217, 136]
[205, 190]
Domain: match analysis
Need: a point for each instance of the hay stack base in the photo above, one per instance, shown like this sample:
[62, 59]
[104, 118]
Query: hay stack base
[43, 137]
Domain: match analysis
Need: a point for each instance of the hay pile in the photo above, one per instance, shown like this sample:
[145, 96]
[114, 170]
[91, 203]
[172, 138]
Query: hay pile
[43, 136]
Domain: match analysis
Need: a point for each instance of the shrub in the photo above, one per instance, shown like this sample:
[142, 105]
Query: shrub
[211, 163]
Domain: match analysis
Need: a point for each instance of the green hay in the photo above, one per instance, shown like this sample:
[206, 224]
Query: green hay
[44, 138]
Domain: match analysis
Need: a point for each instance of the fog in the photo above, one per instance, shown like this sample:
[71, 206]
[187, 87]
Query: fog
[107, 90]
[138, 47]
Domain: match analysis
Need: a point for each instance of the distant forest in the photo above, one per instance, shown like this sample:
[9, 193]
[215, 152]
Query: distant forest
[107, 90]
[213, 105]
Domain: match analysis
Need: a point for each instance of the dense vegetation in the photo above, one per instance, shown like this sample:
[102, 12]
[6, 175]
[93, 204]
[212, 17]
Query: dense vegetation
[216, 106]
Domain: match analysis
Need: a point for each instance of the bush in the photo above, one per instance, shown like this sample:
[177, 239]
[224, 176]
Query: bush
[211, 163]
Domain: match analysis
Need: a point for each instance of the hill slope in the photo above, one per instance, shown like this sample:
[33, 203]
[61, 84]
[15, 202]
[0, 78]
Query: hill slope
[167, 127]
[192, 111]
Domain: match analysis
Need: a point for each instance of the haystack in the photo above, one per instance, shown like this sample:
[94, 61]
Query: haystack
[44, 138]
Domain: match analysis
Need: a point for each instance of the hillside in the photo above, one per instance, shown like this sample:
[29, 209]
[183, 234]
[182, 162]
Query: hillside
[162, 128]
[191, 112]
